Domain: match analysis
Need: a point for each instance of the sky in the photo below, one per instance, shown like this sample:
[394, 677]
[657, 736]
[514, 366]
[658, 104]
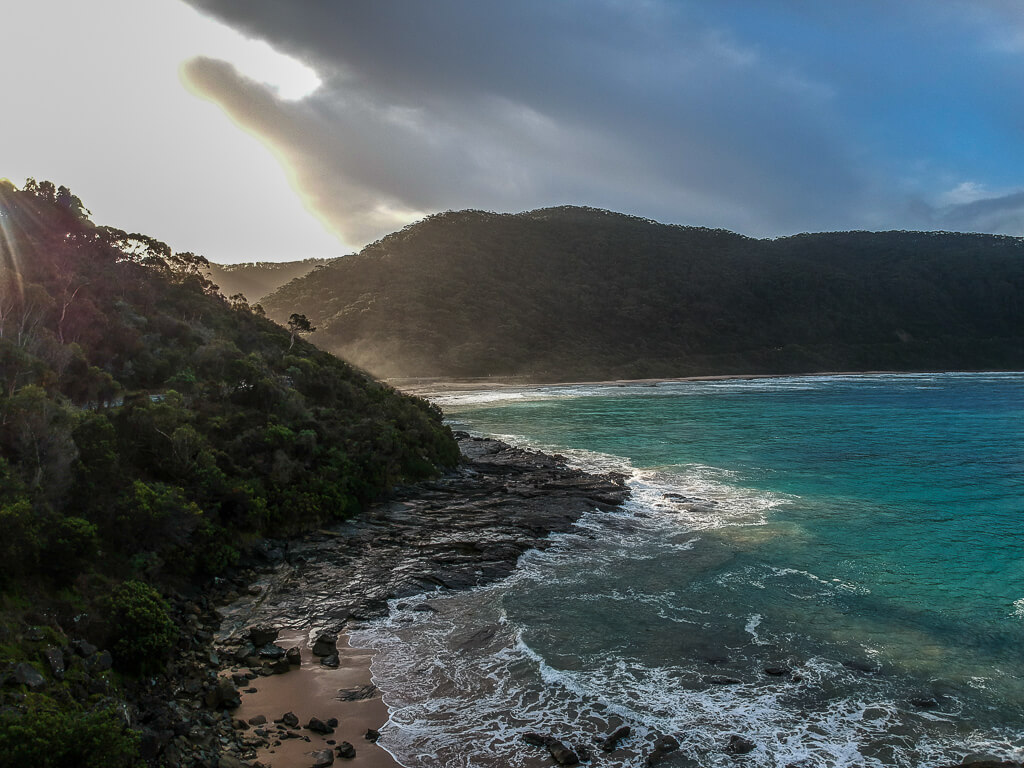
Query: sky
[250, 130]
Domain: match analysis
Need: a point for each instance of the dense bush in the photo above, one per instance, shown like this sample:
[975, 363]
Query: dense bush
[46, 737]
[141, 629]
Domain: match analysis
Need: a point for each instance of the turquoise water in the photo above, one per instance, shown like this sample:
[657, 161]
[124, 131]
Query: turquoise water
[863, 532]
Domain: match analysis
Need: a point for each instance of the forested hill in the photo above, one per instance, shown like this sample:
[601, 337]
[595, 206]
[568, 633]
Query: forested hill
[578, 293]
[255, 280]
[150, 431]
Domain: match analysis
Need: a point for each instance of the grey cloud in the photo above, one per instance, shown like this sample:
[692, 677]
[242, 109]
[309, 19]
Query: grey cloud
[999, 215]
[455, 104]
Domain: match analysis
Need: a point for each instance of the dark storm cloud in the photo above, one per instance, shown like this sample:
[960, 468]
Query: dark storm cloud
[648, 107]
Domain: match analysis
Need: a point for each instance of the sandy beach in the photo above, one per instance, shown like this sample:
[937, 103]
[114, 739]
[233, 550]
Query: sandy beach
[312, 690]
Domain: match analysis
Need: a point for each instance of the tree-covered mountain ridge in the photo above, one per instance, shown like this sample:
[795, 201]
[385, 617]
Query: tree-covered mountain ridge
[572, 293]
[151, 432]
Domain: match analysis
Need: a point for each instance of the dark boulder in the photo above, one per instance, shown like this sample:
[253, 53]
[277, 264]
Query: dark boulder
[323, 758]
[223, 695]
[26, 674]
[289, 719]
[536, 739]
[346, 750]
[331, 661]
[294, 656]
[325, 644]
[263, 634]
[562, 754]
[55, 660]
[316, 725]
[83, 648]
[371, 735]
[739, 746]
[272, 651]
[612, 742]
[777, 671]
[663, 747]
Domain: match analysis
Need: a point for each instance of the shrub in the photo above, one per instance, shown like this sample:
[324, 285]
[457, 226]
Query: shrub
[46, 737]
[142, 630]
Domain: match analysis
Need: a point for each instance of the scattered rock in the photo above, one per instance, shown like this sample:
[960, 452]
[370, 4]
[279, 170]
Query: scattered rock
[223, 695]
[289, 719]
[322, 758]
[280, 666]
[326, 644]
[722, 680]
[739, 746]
[925, 702]
[612, 742]
[777, 671]
[561, 753]
[26, 674]
[346, 750]
[316, 725]
[55, 660]
[663, 747]
[230, 761]
[83, 648]
[272, 651]
[101, 661]
[371, 735]
[857, 665]
[294, 656]
[361, 693]
[536, 739]
[333, 722]
[258, 720]
[263, 634]
[424, 607]
[332, 661]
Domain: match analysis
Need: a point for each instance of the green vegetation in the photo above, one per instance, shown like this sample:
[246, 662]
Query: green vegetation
[150, 431]
[578, 293]
[49, 737]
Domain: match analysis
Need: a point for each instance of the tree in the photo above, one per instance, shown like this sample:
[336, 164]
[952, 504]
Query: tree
[298, 324]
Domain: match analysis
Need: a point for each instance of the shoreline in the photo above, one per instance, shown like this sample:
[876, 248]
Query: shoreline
[462, 530]
[425, 386]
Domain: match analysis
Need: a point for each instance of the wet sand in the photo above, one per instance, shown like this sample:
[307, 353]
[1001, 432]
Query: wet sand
[311, 690]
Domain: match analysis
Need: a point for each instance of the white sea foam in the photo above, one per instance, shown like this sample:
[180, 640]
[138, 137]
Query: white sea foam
[1018, 608]
[454, 705]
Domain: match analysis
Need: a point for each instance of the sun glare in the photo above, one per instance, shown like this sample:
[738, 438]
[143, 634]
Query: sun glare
[257, 60]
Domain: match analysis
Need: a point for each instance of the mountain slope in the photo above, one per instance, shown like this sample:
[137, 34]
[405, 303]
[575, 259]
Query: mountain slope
[150, 432]
[578, 293]
[255, 280]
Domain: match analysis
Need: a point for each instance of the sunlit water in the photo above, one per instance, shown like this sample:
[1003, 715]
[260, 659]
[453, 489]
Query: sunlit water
[864, 532]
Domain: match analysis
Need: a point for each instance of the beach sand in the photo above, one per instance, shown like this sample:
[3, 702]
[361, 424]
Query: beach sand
[311, 690]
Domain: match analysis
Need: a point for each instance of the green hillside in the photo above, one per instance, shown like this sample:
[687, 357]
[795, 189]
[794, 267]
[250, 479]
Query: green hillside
[578, 293]
[150, 432]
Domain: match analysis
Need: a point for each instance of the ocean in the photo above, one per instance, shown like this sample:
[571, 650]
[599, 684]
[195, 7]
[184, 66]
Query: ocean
[860, 537]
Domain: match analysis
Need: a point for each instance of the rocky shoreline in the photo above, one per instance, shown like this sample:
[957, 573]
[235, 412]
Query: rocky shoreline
[464, 529]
